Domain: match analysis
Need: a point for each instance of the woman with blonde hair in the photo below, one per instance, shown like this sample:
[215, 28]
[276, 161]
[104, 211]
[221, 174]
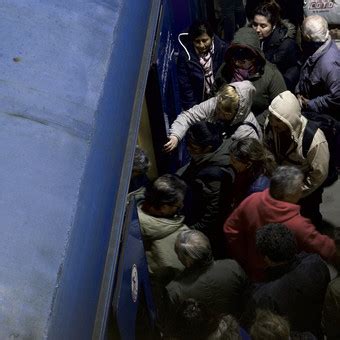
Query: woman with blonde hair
[230, 108]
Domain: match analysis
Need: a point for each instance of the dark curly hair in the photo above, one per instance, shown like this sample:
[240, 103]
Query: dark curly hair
[198, 28]
[277, 242]
[270, 10]
[205, 134]
[166, 189]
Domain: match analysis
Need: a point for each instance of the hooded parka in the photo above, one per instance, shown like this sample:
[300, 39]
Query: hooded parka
[206, 111]
[159, 236]
[203, 175]
[281, 49]
[286, 108]
[267, 80]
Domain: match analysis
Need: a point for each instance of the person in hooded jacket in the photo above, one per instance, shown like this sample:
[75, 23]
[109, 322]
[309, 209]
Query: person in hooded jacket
[198, 61]
[278, 41]
[244, 60]
[278, 204]
[284, 133]
[160, 223]
[231, 108]
[203, 175]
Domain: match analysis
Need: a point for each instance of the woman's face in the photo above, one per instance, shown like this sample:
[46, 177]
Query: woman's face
[262, 26]
[202, 43]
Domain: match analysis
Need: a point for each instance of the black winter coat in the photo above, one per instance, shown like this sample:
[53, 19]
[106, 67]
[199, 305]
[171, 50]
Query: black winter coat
[296, 291]
[190, 73]
[203, 177]
[281, 49]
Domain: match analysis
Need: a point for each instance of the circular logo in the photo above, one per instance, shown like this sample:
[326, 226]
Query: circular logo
[134, 283]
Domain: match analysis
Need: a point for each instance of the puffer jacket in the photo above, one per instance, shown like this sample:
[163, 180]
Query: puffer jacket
[267, 80]
[286, 108]
[206, 111]
[296, 290]
[190, 73]
[203, 176]
[159, 236]
[281, 49]
[319, 80]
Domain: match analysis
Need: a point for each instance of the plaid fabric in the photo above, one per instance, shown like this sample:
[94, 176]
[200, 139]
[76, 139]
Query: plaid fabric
[206, 62]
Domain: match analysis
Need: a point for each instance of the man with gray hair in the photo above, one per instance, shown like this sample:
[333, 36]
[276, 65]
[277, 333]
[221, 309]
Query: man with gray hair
[278, 204]
[318, 89]
[217, 284]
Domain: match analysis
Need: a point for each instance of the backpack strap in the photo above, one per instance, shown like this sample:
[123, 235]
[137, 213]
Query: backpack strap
[252, 126]
[308, 135]
[230, 130]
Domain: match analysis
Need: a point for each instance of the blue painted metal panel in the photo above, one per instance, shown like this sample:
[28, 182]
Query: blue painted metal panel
[166, 65]
[132, 281]
[69, 74]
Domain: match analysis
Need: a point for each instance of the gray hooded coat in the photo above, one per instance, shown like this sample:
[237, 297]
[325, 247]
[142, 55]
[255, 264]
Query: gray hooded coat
[206, 111]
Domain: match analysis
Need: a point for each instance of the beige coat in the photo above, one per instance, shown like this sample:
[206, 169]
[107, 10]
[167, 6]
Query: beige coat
[315, 166]
[159, 236]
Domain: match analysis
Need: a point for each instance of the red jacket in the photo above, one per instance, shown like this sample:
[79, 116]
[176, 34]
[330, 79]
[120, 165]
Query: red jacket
[260, 209]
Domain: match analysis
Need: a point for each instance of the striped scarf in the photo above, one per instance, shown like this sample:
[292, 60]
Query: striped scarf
[206, 62]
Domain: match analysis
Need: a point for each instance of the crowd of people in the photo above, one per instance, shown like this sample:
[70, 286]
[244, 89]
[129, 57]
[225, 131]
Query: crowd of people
[235, 239]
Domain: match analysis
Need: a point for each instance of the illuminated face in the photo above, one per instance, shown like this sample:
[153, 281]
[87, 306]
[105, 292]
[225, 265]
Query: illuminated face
[262, 26]
[202, 43]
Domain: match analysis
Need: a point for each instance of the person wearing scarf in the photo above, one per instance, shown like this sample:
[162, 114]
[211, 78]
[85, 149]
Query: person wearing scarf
[200, 56]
